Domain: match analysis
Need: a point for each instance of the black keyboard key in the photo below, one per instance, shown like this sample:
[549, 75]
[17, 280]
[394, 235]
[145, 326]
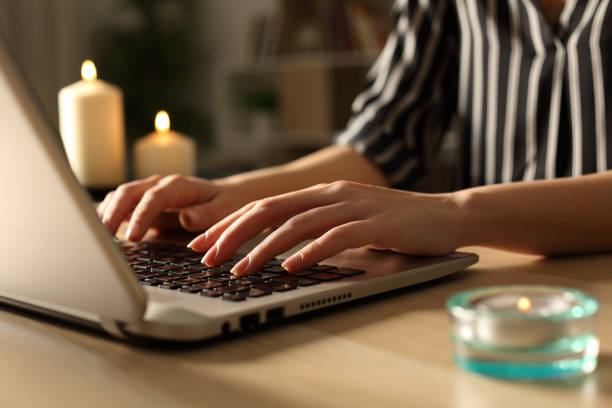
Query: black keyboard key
[245, 281]
[188, 281]
[275, 269]
[147, 274]
[151, 282]
[232, 288]
[198, 267]
[163, 261]
[163, 268]
[144, 265]
[320, 268]
[183, 263]
[181, 272]
[210, 293]
[167, 278]
[190, 289]
[269, 275]
[170, 285]
[256, 292]
[236, 297]
[348, 272]
[199, 275]
[208, 285]
[275, 286]
[297, 280]
[325, 276]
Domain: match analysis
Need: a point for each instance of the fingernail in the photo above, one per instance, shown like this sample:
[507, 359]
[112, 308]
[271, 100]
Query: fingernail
[199, 239]
[289, 263]
[192, 217]
[130, 233]
[210, 256]
[241, 266]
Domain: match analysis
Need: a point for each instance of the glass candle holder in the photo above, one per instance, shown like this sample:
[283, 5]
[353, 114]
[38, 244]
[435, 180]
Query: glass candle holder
[524, 332]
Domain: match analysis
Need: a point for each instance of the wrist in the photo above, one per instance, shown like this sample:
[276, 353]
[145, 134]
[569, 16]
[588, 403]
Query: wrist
[462, 220]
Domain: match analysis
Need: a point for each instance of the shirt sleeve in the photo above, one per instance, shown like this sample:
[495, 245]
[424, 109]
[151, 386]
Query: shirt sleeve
[399, 119]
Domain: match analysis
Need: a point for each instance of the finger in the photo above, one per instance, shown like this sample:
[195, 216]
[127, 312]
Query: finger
[307, 225]
[265, 213]
[104, 203]
[124, 200]
[352, 235]
[202, 216]
[203, 242]
[170, 192]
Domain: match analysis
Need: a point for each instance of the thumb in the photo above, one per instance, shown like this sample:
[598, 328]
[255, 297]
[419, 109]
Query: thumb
[200, 217]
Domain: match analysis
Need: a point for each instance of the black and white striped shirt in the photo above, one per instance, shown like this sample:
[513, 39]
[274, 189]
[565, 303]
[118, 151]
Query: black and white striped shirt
[532, 101]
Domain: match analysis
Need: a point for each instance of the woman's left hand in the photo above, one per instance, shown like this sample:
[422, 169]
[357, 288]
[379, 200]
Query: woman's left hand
[338, 216]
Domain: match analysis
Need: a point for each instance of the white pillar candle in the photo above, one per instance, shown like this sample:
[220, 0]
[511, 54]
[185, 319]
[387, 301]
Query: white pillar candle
[93, 130]
[164, 151]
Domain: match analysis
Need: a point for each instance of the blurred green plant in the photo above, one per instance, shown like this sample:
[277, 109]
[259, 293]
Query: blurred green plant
[150, 49]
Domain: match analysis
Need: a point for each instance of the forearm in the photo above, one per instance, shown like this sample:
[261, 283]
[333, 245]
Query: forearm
[548, 217]
[324, 166]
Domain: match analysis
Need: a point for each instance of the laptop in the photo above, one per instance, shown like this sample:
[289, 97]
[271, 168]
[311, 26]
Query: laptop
[59, 260]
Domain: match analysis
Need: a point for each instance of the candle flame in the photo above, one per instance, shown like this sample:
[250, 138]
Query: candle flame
[88, 70]
[524, 304]
[162, 121]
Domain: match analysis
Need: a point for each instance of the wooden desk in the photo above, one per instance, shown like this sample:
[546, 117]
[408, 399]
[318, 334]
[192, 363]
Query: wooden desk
[393, 350]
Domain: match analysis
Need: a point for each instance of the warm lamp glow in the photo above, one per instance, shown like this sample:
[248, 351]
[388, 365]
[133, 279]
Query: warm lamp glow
[162, 121]
[524, 304]
[88, 70]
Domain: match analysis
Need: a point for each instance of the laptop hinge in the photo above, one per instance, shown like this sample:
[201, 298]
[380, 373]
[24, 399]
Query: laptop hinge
[113, 328]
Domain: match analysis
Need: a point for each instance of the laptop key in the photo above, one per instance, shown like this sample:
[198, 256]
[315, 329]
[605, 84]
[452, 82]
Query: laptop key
[188, 281]
[236, 297]
[189, 289]
[256, 292]
[167, 278]
[275, 286]
[163, 268]
[151, 282]
[148, 275]
[275, 269]
[199, 275]
[182, 263]
[325, 276]
[208, 285]
[170, 285]
[210, 293]
[348, 271]
[295, 280]
[320, 268]
[232, 288]
[245, 281]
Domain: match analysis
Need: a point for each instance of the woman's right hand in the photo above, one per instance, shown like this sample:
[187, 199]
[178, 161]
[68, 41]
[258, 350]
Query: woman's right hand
[143, 203]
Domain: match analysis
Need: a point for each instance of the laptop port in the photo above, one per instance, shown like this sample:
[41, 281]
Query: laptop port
[275, 314]
[249, 322]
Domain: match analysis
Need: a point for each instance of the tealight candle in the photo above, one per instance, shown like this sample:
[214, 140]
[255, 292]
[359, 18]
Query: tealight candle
[164, 151]
[93, 130]
[526, 332]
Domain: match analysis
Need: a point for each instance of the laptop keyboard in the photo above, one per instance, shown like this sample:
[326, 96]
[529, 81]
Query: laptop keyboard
[177, 268]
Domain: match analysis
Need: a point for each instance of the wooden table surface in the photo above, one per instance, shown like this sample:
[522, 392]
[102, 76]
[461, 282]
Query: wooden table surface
[390, 350]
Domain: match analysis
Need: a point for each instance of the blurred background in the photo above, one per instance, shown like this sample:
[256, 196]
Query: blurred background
[254, 82]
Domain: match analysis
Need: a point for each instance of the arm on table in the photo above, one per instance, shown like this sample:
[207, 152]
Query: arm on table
[561, 216]
[547, 217]
[200, 203]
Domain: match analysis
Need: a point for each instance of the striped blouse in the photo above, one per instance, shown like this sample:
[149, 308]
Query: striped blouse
[530, 101]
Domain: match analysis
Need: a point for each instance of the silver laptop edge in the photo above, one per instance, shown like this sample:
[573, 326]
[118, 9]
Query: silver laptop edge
[61, 261]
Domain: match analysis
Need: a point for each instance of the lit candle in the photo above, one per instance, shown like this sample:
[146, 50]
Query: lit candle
[92, 129]
[164, 151]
